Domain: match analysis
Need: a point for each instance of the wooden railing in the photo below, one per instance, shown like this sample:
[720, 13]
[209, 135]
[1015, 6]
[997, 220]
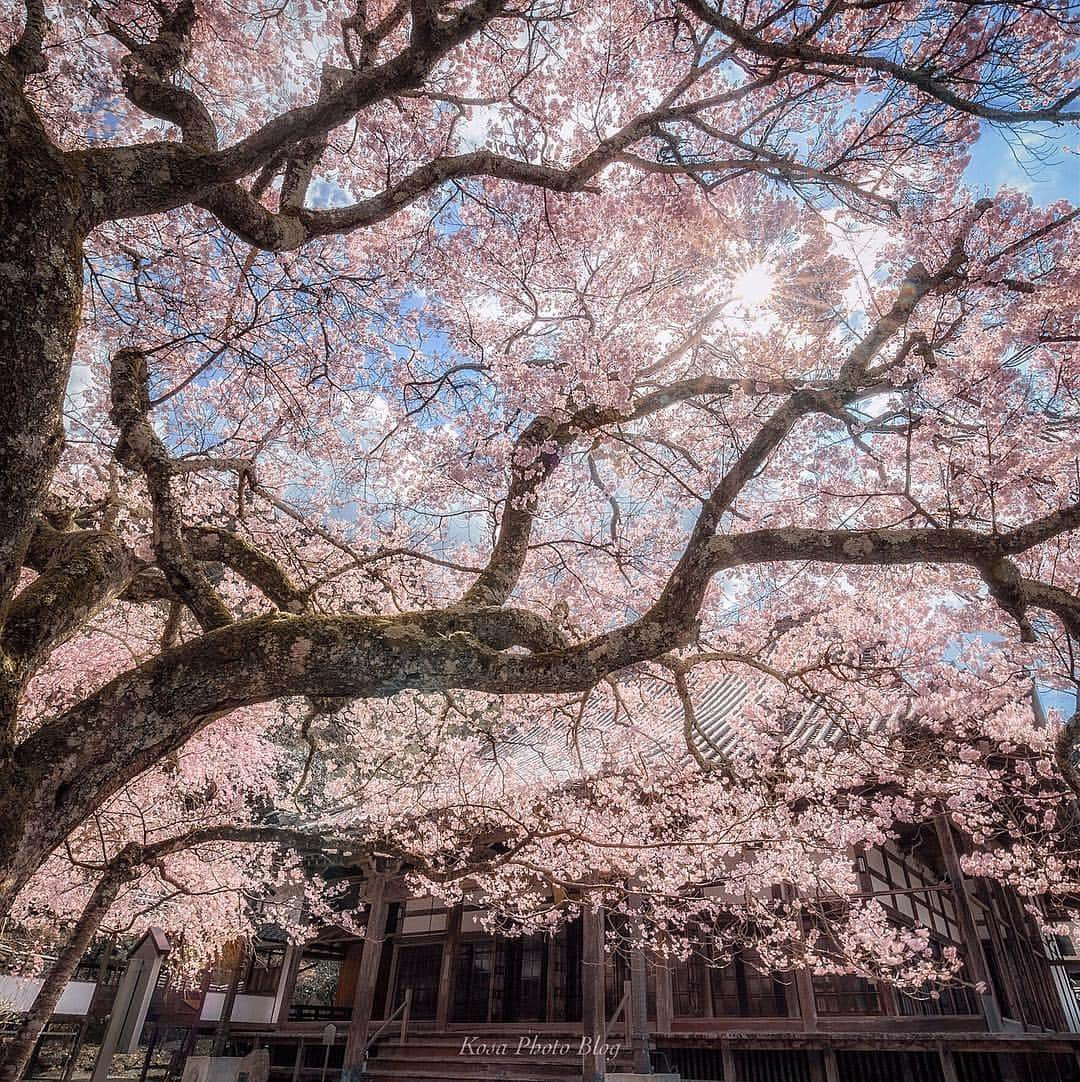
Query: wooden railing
[404, 1010]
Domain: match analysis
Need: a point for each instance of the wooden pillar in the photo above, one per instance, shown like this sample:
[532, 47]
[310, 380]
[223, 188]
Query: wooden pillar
[665, 998]
[832, 1068]
[290, 970]
[948, 1065]
[804, 984]
[727, 1058]
[976, 957]
[360, 1022]
[638, 1007]
[221, 1030]
[887, 997]
[446, 969]
[804, 989]
[708, 1006]
[551, 947]
[593, 1011]
[132, 1000]
[639, 1011]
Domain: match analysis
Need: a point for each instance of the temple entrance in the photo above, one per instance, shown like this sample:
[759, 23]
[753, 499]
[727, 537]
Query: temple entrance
[418, 969]
[531, 979]
[501, 980]
[472, 981]
[524, 994]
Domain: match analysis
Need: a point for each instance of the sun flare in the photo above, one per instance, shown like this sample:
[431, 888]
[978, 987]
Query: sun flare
[753, 286]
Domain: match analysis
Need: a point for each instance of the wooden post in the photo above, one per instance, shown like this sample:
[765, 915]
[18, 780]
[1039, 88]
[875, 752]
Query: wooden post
[948, 1065]
[832, 1068]
[360, 1023]
[221, 1031]
[593, 1022]
[551, 948]
[976, 956]
[290, 970]
[446, 969]
[665, 998]
[132, 1000]
[804, 984]
[406, 1014]
[639, 1012]
[727, 1058]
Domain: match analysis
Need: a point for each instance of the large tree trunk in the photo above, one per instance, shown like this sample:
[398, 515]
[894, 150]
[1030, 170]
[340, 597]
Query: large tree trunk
[41, 270]
[16, 1052]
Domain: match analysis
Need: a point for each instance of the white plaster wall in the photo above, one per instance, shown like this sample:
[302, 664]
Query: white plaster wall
[245, 1008]
[21, 992]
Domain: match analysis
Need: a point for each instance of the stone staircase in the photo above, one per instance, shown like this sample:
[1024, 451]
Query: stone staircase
[497, 1056]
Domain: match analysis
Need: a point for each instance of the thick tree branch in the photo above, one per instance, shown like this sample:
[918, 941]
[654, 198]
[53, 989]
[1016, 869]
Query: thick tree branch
[290, 227]
[541, 445]
[252, 221]
[87, 569]
[141, 715]
[27, 55]
[538, 452]
[139, 448]
[130, 181]
[210, 543]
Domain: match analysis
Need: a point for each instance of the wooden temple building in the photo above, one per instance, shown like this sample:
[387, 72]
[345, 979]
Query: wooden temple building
[429, 996]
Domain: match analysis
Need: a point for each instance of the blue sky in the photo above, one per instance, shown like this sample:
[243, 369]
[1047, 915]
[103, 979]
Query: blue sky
[1036, 160]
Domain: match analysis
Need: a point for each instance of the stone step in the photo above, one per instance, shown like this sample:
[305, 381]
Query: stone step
[489, 1069]
[440, 1074]
[437, 1059]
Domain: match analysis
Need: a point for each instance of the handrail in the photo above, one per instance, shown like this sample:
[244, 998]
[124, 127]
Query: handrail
[624, 1009]
[405, 1009]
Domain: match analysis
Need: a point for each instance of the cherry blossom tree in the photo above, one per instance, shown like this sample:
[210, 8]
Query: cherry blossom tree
[473, 369]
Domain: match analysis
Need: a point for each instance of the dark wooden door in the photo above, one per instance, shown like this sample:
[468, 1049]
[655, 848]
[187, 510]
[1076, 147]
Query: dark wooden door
[418, 968]
[472, 981]
[525, 980]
